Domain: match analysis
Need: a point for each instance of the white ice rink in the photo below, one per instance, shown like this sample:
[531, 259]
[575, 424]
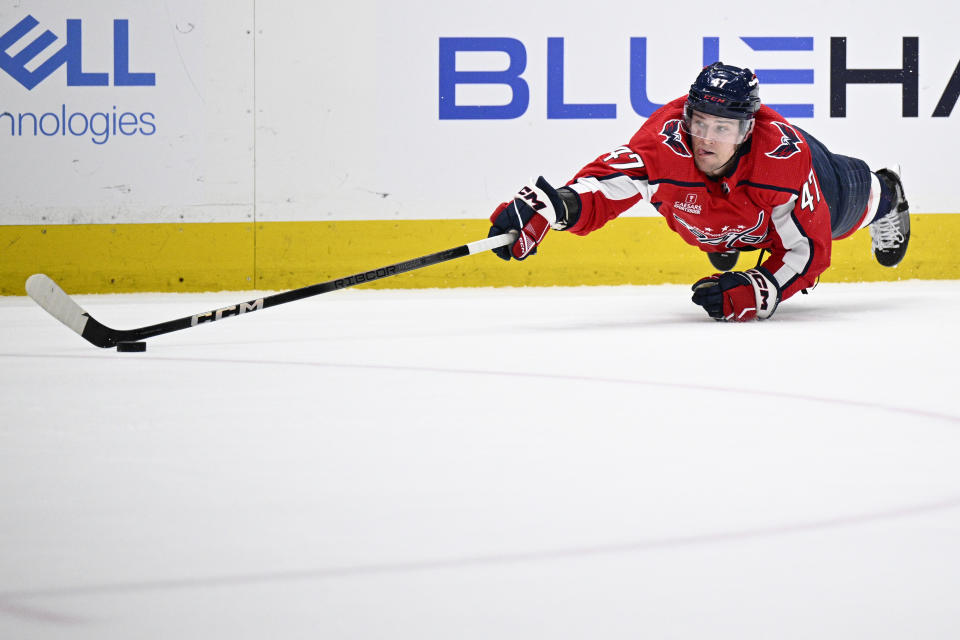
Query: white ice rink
[595, 463]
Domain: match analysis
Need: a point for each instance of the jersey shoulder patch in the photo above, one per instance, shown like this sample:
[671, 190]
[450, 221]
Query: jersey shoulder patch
[672, 133]
[789, 142]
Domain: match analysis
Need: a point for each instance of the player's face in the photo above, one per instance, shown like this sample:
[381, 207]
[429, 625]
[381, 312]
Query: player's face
[714, 141]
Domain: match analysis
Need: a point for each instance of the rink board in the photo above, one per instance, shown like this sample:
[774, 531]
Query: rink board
[199, 145]
[282, 255]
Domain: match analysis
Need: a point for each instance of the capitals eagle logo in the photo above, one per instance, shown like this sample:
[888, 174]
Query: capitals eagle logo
[727, 236]
[673, 138]
[789, 142]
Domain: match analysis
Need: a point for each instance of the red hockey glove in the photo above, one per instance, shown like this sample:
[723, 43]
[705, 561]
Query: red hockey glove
[531, 212]
[738, 296]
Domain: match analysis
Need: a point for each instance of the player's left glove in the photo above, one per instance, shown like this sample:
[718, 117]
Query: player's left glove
[532, 212]
[738, 296]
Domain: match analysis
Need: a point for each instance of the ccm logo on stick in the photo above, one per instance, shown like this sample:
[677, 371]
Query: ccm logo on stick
[226, 312]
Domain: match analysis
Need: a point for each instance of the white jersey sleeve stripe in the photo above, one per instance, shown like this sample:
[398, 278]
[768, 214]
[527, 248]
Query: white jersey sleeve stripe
[616, 187]
[799, 247]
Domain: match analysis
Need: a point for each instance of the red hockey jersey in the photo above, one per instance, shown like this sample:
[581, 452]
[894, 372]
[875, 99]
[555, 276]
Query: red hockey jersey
[769, 199]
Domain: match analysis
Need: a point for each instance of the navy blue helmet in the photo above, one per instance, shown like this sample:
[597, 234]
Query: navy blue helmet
[725, 91]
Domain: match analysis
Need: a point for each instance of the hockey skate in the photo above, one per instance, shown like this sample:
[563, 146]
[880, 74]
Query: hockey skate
[724, 261]
[891, 233]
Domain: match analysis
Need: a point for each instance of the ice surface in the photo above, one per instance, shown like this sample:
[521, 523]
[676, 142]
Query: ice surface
[494, 463]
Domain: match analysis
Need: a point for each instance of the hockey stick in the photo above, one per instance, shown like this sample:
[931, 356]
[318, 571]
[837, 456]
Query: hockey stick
[61, 306]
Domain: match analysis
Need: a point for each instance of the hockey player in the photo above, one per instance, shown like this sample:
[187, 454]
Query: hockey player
[728, 175]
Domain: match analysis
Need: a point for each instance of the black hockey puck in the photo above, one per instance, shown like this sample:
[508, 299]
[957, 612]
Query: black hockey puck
[130, 347]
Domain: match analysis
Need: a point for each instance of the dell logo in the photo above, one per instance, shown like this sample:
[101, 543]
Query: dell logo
[70, 54]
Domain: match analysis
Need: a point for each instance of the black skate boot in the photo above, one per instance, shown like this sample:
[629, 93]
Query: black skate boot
[891, 233]
[724, 261]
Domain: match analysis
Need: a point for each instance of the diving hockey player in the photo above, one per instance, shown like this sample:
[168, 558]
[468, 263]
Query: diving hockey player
[729, 175]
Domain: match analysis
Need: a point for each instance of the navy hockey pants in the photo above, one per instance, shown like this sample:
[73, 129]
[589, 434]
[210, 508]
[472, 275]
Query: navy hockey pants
[845, 183]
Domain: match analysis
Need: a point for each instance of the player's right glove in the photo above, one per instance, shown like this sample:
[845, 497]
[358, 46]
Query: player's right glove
[738, 296]
[532, 212]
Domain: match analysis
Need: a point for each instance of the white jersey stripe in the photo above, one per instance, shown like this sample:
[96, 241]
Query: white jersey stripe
[799, 247]
[619, 187]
